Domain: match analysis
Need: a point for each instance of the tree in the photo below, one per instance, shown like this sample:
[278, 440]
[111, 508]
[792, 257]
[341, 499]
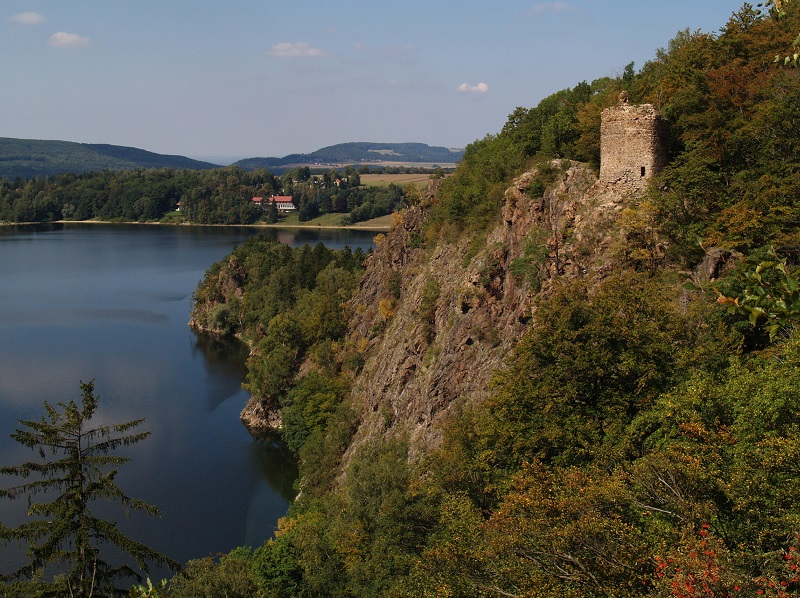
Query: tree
[778, 9]
[771, 295]
[75, 471]
[272, 212]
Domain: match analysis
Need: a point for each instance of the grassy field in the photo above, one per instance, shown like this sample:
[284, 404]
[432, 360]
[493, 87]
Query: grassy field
[383, 180]
[335, 221]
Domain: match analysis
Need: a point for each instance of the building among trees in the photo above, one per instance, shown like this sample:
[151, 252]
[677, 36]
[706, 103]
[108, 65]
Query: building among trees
[282, 202]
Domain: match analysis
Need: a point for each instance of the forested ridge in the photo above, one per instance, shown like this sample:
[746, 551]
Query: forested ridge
[28, 158]
[642, 438]
[361, 152]
[643, 435]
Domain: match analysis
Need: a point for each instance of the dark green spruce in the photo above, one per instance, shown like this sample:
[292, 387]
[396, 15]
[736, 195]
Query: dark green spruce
[75, 470]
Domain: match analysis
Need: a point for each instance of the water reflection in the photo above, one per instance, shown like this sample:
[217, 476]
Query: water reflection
[225, 363]
[277, 465]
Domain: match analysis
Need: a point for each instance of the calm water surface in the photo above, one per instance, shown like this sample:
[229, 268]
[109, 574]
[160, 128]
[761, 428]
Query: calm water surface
[112, 302]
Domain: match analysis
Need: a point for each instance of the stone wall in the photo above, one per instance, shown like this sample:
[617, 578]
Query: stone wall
[633, 146]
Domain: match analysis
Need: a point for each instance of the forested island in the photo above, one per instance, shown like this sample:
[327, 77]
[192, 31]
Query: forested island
[543, 382]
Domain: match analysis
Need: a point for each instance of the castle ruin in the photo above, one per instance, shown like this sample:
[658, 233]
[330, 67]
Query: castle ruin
[633, 145]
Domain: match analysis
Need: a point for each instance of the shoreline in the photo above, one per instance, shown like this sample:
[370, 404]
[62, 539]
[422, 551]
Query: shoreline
[371, 228]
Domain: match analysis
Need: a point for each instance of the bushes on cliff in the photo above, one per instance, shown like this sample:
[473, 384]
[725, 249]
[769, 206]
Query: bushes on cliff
[262, 278]
[289, 305]
[474, 193]
[617, 462]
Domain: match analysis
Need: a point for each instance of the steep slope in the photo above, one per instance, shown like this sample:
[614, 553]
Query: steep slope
[437, 322]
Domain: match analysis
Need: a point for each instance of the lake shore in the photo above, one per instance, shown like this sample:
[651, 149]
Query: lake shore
[382, 224]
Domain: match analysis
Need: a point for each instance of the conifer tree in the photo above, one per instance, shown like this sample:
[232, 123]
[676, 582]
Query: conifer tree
[272, 213]
[75, 471]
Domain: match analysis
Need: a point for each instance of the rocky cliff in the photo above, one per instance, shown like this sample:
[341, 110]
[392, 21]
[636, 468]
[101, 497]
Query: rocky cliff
[436, 318]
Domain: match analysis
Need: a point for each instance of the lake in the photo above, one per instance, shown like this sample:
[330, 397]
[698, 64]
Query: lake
[111, 303]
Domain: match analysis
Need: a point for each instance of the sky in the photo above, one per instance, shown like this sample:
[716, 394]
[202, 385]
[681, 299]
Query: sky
[247, 78]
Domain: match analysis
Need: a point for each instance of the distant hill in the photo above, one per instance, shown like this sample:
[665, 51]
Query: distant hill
[357, 152]
[27, 158]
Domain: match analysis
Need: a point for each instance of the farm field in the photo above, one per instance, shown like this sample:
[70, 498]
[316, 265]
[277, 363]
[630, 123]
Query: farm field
[333, 221]
[383, 180]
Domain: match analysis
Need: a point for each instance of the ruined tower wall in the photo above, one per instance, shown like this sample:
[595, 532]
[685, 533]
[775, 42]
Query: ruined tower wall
[633, 146]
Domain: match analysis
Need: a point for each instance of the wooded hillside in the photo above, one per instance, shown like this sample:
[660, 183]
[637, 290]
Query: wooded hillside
[358, 152]
[27, 158]
[643, 435]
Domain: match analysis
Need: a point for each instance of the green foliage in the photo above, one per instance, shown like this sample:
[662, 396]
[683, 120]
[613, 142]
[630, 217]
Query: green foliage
[308, 406]
[474, 193]
[216, 196]
[528, 268]
[777, 7]
[589, 364]
[221, 319]
[77, 465]
[694, 487]
[366, 203]
[733, 140]
[771, 296]
[203, 578]
[722, 451]
[427, 308]
[276, 568]
[160, 590]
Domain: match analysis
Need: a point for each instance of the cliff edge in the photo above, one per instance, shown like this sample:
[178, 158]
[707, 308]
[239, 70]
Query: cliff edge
[436, 318]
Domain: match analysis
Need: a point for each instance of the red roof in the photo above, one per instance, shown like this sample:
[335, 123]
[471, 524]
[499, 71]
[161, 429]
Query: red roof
[281, 198]
[257, 199]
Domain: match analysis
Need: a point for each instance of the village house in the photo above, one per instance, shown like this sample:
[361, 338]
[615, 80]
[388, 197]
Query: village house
[282, 202]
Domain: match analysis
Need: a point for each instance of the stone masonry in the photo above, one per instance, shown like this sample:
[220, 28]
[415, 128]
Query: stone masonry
[633, 146]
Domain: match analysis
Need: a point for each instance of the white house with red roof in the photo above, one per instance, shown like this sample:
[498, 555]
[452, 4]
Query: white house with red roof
[282, 202]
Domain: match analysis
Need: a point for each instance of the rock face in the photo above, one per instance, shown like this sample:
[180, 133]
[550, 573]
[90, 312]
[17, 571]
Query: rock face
[434, 324]
[260, 422]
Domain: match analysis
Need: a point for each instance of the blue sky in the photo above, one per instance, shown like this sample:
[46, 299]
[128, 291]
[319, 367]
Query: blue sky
[260, 78]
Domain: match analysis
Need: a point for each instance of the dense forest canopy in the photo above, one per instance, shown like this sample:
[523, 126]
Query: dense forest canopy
[28, 158]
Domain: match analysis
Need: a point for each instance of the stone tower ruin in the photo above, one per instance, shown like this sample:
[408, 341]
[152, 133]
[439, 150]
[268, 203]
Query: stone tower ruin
[633, 145]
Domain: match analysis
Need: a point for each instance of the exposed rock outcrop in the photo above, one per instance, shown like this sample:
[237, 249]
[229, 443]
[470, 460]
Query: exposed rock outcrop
[436, 323]
[433, 319]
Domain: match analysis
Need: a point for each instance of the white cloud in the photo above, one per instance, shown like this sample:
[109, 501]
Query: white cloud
[479, 88]
[294, 50]
[550, 7]
[68, 40]
[27, 18]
